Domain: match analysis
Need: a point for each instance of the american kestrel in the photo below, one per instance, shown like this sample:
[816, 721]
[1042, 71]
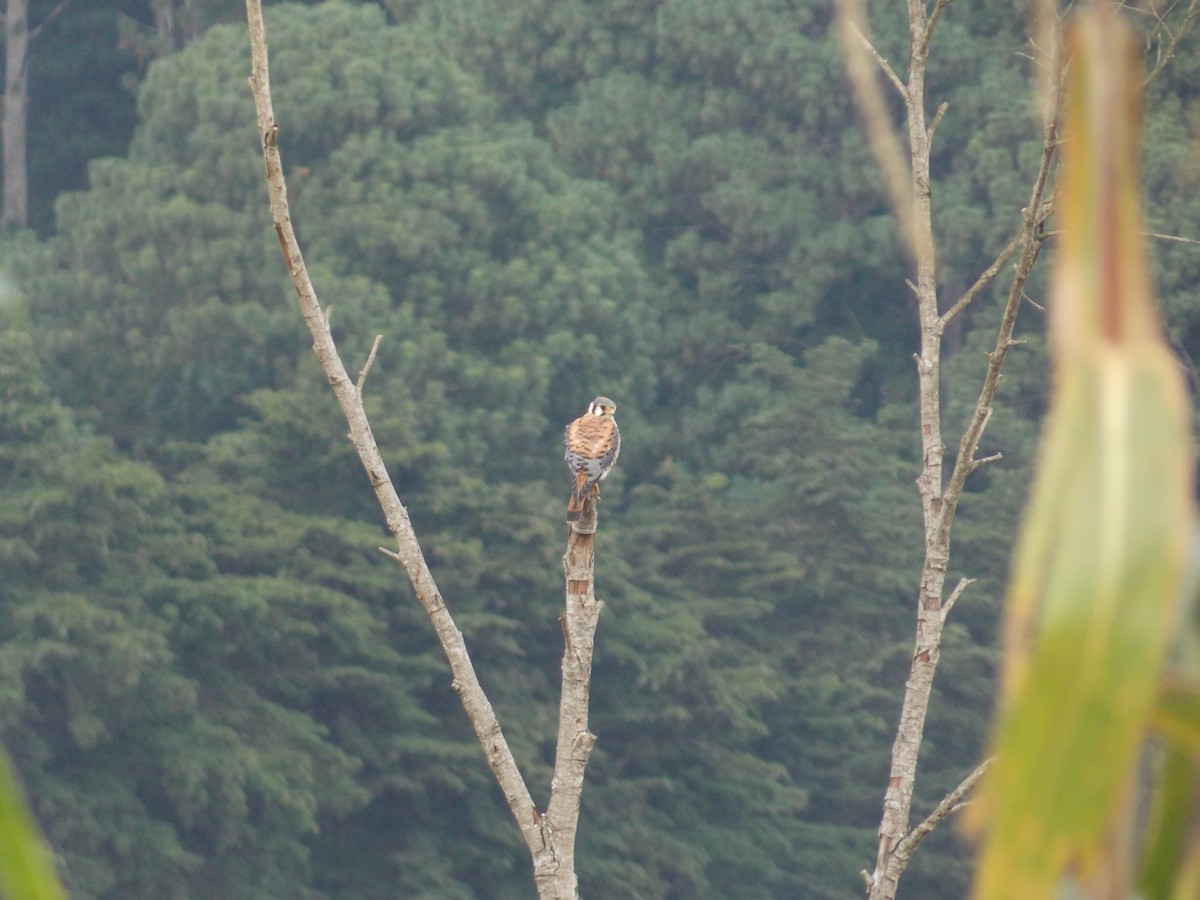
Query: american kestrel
[593, 443]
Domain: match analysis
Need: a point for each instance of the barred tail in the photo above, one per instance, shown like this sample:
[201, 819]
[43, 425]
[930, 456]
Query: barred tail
[575, 504]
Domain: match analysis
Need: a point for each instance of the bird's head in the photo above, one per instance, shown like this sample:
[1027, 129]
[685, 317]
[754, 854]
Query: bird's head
[602, 406]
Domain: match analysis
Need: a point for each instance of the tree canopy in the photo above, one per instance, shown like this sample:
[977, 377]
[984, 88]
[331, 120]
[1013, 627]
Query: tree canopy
[216, 687]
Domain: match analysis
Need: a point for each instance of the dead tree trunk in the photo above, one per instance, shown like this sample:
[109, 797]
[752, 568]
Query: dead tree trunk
[554, 868]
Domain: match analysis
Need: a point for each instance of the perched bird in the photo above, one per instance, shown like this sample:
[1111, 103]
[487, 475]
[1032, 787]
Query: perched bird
[593, 443]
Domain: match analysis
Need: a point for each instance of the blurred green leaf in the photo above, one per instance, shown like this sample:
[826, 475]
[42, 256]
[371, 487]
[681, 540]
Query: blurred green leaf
[1170, 824]
[1170, 866]
[1099, 565]
[1177, 716]
[26, 870]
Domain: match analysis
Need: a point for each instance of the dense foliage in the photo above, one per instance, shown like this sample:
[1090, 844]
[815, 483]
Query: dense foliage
[214, 686]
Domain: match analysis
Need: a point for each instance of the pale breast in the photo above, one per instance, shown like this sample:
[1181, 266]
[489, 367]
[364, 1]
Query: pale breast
[593, 443]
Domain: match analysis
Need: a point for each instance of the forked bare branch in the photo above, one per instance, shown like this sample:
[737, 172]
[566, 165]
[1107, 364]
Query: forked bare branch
[939, 496]
[1165, 53]
[550, 836]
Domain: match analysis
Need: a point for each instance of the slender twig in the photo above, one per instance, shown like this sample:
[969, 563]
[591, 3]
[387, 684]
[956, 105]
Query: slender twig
[880, 61]
[981, 461]
[1169, 237]
[50, 17]
[963, 584]
[937, 120]
[936, 13]
[950, 804]
[1164, 56]
[874, 113]
[1033, 303]
[985, 278]
[362, 376]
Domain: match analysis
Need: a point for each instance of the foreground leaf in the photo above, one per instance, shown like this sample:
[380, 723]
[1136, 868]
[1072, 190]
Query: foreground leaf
[1100, 560]
[26, 872]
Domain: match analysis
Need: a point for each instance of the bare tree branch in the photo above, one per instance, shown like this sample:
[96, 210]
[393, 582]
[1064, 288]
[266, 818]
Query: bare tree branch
[50, 17]
[939, 498]
[950, 804]
[981, 461]
[873, 110]
[937, 120]
[362, 375]
[1164, 55]
[550, 836]
[963, 584]
[883, 882]
[984, 279]
[408, 551]
[880, 61]
[1169, 237]
[936, 13]
[1036, 212]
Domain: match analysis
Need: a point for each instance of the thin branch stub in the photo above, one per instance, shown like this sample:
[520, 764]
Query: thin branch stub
[949, 805]
[882, 63]
[963, 584]
[937, 120]
[362, 376]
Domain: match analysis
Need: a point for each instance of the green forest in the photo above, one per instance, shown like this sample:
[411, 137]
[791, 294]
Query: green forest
[213, 684]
